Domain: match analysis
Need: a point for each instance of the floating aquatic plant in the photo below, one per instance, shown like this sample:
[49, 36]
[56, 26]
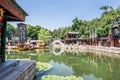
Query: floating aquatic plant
[54, 77]
[43, 66]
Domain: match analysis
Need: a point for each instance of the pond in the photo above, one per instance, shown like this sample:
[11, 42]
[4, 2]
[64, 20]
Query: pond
[89, 65]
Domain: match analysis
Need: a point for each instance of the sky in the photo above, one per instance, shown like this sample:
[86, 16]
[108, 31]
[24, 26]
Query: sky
[53, 14]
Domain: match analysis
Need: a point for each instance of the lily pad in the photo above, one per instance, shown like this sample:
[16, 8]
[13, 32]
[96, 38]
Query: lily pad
[54, 77]
[43, 66]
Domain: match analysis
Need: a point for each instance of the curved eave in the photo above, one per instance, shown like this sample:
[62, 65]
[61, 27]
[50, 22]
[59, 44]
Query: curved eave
[13, 11]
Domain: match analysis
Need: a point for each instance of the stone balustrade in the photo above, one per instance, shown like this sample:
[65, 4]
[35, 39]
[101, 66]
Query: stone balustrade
[96, 48]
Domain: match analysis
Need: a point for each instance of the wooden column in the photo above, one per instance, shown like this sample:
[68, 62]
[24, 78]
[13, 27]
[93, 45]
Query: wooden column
[3, 38]
[3, 35]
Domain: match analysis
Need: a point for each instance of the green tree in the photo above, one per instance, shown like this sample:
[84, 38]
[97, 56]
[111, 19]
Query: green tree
[105, 8]
[44, 35]
[10, 31]
[32, 31]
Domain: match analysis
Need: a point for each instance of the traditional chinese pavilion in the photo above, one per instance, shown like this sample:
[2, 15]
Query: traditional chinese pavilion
[13, 69]
[9, 11]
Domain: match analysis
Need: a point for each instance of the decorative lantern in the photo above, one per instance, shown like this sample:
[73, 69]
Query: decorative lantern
[1, 19]
[1, 24]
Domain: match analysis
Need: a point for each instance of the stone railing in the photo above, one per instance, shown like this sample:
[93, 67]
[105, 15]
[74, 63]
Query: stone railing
[97, 48]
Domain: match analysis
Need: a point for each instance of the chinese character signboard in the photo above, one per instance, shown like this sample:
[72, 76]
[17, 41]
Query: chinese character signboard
[22, 32]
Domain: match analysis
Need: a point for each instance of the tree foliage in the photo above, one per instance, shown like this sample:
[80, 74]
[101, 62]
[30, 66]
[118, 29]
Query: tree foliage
[101, 26]
[105, 8]
[32, 31]
[44, 34]
[10, 31]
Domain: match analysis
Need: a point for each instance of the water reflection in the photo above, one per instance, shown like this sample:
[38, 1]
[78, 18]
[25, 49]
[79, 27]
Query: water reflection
[89, 65]
[57, 49]
[60, 69]
[91, 77]
[28, 55]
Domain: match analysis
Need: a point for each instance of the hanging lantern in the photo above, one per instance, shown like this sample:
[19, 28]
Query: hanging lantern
[1, 24]
[1, 19]
[0, 30]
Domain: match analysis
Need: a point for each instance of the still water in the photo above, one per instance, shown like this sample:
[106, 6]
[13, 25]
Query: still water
[88, 65]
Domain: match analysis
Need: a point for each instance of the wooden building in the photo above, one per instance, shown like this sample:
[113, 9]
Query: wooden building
[83, 41]
[93, 39]
[113, 39]
[71, 38]
[104, 41]
[116, 36]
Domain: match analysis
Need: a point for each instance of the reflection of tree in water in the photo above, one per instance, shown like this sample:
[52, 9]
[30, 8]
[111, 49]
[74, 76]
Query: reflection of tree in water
[91, 63]
[109, 68]
[21, 55]
[91, 77]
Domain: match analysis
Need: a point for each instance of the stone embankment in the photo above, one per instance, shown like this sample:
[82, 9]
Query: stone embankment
[96, 48]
